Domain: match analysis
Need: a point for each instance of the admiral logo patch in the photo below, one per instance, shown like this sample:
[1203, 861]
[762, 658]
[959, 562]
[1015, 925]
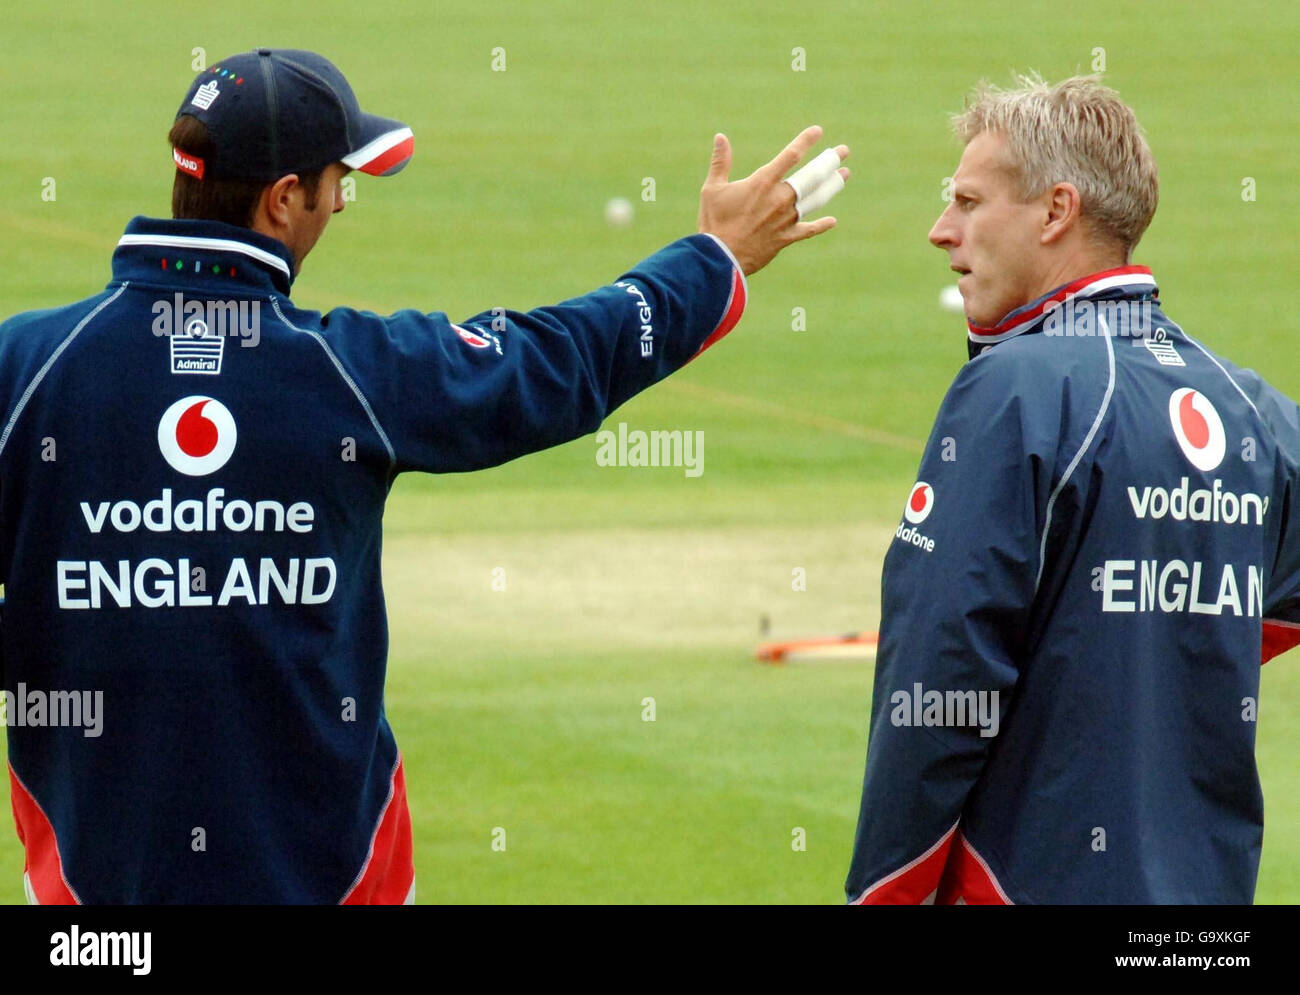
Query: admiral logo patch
[197, 349]
[205, 95]
[1162, 349]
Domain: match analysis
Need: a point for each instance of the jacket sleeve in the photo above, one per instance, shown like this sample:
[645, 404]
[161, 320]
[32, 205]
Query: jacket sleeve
[1281, 418]
[452, 396]
[958, 582]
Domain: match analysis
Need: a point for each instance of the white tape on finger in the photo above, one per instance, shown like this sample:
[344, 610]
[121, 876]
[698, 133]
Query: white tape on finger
[813, 175]
[818, 199]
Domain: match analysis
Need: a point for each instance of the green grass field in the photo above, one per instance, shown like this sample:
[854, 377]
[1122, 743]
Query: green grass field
[522, 708]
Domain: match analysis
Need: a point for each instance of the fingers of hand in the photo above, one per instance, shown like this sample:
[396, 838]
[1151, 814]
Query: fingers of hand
[820, 180]
[811, 228]
[792, 153]
[720, 162]
[818, 199]
[813, 175]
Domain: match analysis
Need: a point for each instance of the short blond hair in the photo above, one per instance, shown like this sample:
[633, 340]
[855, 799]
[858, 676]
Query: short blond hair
[1076, 132]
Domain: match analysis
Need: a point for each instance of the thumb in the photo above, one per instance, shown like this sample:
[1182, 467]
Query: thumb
[720, 164]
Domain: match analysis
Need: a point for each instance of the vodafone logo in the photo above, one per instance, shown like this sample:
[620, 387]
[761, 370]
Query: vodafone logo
[919, 504]
[477, 341]
[1197, 428]
[197, 435]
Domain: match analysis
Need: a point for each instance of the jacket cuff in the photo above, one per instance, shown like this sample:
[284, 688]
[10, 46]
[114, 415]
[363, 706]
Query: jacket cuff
[736, 301]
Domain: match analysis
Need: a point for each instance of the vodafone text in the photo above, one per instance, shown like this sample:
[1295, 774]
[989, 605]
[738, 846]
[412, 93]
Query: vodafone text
[158, 582]
[1203, 504]
[914, 537]
[162, 514]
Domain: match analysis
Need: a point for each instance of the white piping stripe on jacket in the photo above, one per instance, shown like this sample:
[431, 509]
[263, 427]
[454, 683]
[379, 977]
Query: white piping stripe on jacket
[1221, 370]
[40, 374]
[987, 870]
[374, 835]
[906, 867]
[347, 379]
[1087, 441]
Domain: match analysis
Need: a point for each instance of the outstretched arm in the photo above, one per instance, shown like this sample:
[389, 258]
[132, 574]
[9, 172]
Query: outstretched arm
[501, 384]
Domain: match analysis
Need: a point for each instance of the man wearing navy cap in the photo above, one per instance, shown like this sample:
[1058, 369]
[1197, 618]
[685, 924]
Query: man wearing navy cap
[195, 636]
[259, 135]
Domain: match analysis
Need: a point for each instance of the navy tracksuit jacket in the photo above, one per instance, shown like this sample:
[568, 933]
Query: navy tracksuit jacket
[190, 526]
[1103, 535]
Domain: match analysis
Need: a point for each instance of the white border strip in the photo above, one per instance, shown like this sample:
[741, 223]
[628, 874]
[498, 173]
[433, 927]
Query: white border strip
[40, 374]
[906, 867]
[1210, 357]
[210, 244]
[373, 150]
[984, 864]
[1120, 280]
[1087, 441]
[374, 835]
[392, 456]
[736, 263]
[58, 856]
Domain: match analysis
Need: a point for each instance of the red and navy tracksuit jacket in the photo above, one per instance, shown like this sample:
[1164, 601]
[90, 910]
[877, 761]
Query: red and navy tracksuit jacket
[1103, 535]
[191, 505]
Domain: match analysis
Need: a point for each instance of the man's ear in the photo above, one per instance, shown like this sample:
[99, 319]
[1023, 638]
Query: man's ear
[276, 200]
[1063, 212]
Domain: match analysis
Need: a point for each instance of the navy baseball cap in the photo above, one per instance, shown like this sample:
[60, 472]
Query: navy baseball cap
[277, 111]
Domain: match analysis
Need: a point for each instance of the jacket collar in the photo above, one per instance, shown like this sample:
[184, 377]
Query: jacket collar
[1111, 284]
[218, 257]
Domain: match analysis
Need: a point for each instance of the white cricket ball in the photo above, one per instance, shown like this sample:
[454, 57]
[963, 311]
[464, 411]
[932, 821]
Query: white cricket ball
[619, 212]
[950, 299]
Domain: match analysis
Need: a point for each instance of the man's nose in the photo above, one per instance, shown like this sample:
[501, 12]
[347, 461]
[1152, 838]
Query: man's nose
[944, 233]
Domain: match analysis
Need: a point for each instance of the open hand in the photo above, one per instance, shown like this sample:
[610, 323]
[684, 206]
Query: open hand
[756, 217]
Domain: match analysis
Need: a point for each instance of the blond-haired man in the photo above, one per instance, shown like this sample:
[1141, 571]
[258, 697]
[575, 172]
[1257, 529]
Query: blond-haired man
[1098, 543]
